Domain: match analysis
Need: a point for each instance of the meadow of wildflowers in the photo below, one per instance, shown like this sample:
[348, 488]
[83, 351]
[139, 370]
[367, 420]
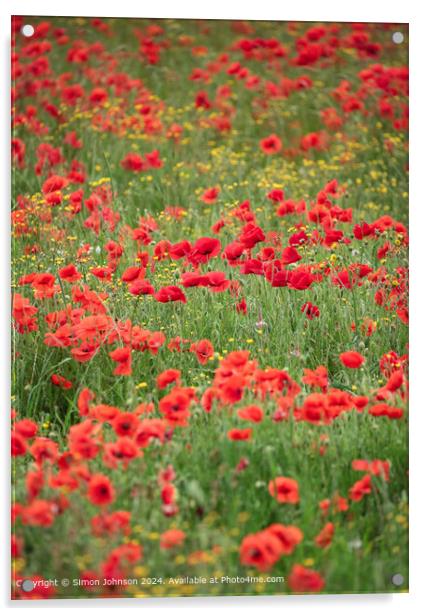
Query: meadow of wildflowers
[210, 308]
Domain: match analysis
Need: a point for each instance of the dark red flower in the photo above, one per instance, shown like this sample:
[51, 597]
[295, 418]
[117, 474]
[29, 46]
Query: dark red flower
[170, 294]
[100, 490]
[271, 144]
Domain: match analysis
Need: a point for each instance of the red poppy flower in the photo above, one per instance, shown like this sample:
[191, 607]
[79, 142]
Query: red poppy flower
[16, 546]
[314, 141]
[204, 249]
[18, 444]
[316, 378]
[172, 538]
[69, 273]
[218, 225]
[133, 162]
[53, 184]
[180, 250]
[217, 282]
[311, 311]
[288, 536]
[232, 389]
[133, 273]
[375, 467]
[175, 406]
[125, 424]
[34, 482]
[290, 207]
[18, 151]
[251, 413]
[284, 490]
[170, 294]
[271, 144]
[103, 273]
[290, 255]
[123, 450]
[84, 352]
[116, 522]
[325, 536]
[39, 513]
[253, 266]
[26, 428]
[168, 493]
[360, 402]
[98, 96]
[233, 252]
[360, 488]
[395, 381]
[251, 235]
[238, 434]
[123, 358]
[72, 139]
[241, 306]
[141, 287]
[344, 279]
[352, 359]
[202, 100]
[149, 429]
[276, 195]
[210, 195]
[60, 381]
[300, 279]
[44, 449]
[203, 349]
[193, 279]
[261, 550]
[44, 285]
[155, 342]
[82, 441]
[100, 490]
[304, 580]
[54, 198]
[242, 465]
[167, 377]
